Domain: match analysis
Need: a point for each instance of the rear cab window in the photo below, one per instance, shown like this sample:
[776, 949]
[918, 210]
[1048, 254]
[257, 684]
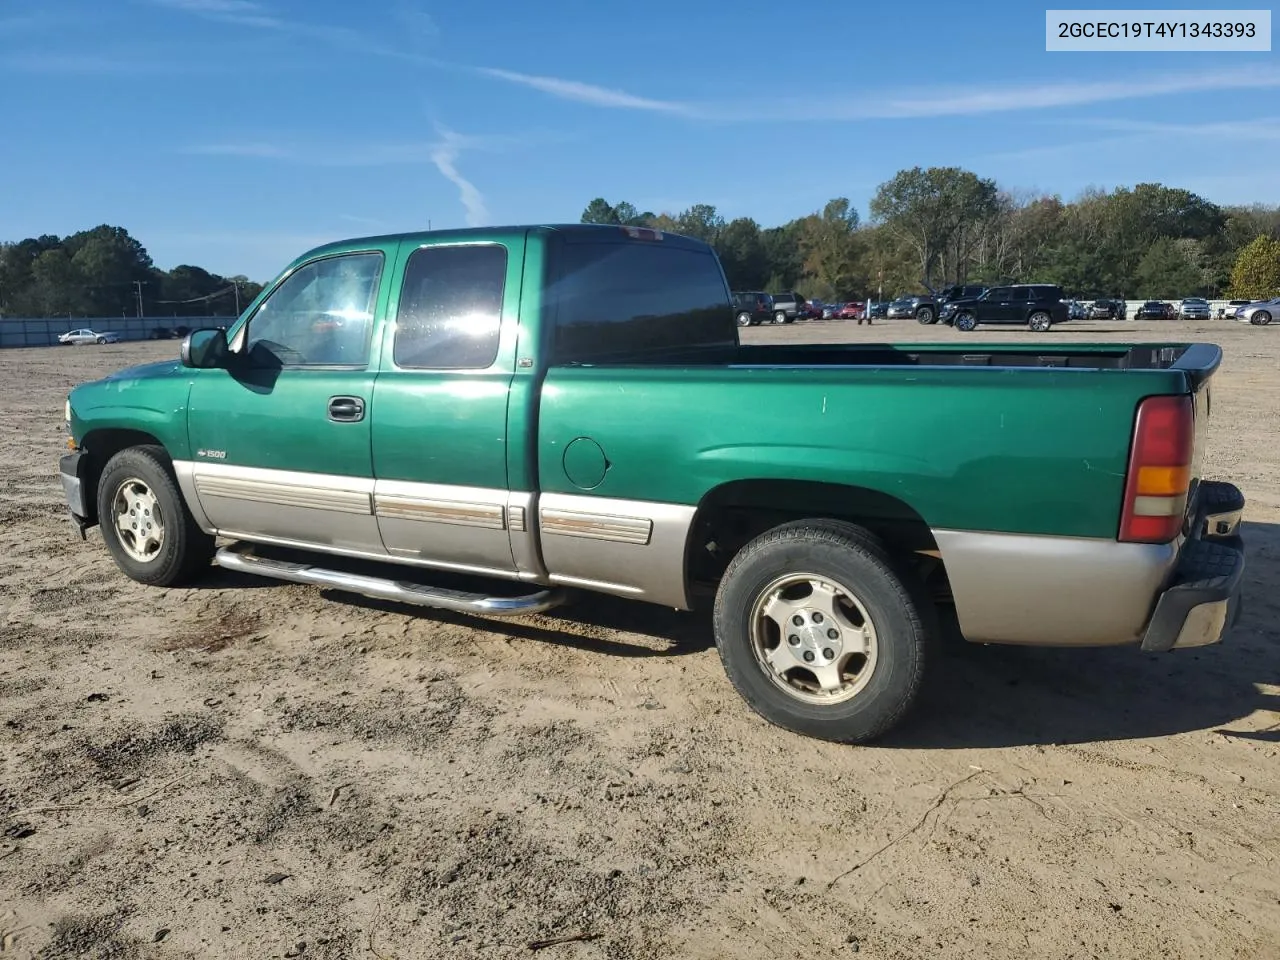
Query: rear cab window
[615, 299]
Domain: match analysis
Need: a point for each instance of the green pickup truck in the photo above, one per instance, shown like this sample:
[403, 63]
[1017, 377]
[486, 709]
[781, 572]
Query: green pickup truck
[556, 408]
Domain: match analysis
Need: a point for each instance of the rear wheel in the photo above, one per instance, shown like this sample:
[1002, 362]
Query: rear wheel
[965, 321]
[819, 633]
[145, 523]
[744, 319]
[780, 317]
[1040, 321]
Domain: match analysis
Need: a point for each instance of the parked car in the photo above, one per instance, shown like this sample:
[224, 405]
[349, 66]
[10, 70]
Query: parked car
[829, 311]
[918, 307]
[77, 337]
[1076, 310]
[820, 538]
[1036, 305]
[812, 310]
[878, 309]
[1155, 310]
[753, 308]
[852, 310]
[1194, 308]
[1230, 310]
[1108, 309]
[1260, 312]
[787, 307]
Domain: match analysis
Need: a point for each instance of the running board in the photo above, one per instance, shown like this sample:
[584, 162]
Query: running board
[240, 557]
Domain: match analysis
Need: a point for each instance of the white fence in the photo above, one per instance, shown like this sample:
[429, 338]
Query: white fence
[45, 332]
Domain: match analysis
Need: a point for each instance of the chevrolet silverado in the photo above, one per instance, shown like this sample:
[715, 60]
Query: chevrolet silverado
[560, 408]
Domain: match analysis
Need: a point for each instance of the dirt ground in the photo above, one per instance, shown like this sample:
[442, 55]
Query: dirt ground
[255, 770]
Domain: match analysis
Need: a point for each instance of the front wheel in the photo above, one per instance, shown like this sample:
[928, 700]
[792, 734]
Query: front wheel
[1040, 321]
[924, 315]
[145, 523]
[965, 322]
[819, 633]
[1260, 319]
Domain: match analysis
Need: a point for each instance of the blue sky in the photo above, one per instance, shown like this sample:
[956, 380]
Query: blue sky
[235, 134]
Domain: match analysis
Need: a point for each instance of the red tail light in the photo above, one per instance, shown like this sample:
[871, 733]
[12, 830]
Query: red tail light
[1155, 492]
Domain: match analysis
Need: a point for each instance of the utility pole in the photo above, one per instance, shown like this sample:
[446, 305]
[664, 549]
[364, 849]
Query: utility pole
[236, 284]
[137, 284]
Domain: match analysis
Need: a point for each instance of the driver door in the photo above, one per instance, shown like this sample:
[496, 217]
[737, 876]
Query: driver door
[996, 306]
[280, 439]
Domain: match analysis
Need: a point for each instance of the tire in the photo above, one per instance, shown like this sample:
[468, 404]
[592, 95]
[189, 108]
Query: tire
[744, 319]
[102, 340]
[965, 322]
[142, 478]
[925, 315]
[843, 560]
[1040, 321]
[1260, 319]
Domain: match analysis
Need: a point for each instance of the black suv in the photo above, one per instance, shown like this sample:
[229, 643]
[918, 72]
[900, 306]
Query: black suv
[958, 291]
[753, 308]
[1037, 305]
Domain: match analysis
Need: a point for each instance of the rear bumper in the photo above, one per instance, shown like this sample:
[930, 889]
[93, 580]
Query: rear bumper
[1202, 600]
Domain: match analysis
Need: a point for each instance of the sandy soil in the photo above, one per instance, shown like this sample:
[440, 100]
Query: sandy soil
[257, 770]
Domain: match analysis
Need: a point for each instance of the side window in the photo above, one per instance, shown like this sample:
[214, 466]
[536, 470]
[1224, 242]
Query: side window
[1021, 294]
[322, 315]
[451, 308]
[1000, 293]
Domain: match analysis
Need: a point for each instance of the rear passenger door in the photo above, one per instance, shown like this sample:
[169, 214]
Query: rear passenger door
[440, 405]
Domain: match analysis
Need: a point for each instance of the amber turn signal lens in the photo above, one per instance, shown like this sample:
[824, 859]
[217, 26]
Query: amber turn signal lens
[1163, 481]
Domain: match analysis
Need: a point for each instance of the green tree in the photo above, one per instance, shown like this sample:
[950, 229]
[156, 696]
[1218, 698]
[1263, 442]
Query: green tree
[702, 222]
[1166, 272]
[599, 210]
[743, 256]
[1256, 274]
[829, 242]
[938, 213]
[57, 284]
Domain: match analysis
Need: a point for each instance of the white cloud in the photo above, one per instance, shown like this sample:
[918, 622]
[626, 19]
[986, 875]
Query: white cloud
[445, 157]
[584, 92]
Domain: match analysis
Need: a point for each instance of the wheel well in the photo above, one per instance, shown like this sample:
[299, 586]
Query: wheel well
[733, 514]
[101, 446]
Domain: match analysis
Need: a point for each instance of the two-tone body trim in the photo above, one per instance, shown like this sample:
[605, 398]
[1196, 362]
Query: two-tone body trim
[594, 526]
[1053, 591]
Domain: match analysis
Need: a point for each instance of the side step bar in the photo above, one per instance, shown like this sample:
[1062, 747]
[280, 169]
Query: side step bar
[240, 557]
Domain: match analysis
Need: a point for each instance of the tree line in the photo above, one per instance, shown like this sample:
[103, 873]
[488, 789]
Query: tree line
[945, 225]
[104, 272]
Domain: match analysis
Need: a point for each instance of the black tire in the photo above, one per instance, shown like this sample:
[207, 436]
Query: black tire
[925, 315]
[744, 319]
[1260, 319]
[184, 550]
[102, 340]
[780, 317]
[852, 559]
[965, 321]
[1040, 321]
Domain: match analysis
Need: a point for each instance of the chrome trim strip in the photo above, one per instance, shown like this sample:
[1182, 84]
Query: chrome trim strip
[515, 519]
[1053, 591]
[595, 526]
[439, 511]
[620, 562]
[184, 470]
[240, 557]
[285, 488]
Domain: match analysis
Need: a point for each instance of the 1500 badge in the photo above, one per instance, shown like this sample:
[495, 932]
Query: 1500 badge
[212, 454]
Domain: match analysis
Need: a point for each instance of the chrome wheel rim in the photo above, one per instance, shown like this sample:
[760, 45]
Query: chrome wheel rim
[744, 319]
[813, 638]
[137, 519]
[1039, 322]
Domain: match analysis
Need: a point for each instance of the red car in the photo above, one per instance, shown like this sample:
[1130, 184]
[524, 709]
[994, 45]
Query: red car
[812, 310]
[850, 311]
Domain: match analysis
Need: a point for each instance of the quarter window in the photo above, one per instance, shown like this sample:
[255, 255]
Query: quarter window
[451, 308]
[321, 315]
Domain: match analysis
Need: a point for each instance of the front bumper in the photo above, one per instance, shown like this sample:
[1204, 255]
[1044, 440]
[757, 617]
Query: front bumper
[73, 471]
[1202, 601]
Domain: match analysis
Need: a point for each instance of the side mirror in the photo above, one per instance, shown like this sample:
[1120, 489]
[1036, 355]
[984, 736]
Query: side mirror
[205, 349]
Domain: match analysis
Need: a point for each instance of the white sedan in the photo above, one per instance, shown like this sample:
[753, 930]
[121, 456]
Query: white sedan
[77, 337]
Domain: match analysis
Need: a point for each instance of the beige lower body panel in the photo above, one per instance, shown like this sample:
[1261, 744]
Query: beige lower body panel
[1053, 591]
[632, 548]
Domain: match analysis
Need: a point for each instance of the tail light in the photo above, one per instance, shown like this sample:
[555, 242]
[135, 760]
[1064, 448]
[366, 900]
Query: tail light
[1155, 493]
